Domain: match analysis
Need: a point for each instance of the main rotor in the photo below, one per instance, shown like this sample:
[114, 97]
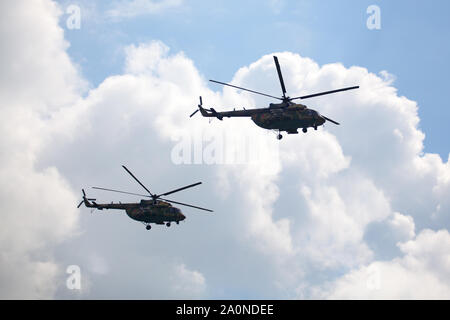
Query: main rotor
[155, 196]
[284, 98]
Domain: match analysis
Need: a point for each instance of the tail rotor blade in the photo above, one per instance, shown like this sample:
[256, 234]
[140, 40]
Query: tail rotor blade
[84, 197]
[199, 106]
[193, 113]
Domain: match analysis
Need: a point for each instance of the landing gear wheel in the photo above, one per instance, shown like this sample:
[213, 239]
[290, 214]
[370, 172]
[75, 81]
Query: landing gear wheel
[148, 227]
[178, 222]
[304, 130]
[279, 137]
[315, 127]
[168, 224]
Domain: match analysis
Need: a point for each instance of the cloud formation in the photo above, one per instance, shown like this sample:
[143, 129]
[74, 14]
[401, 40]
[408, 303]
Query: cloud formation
[421, 273]
[38, 80]
[319, 211]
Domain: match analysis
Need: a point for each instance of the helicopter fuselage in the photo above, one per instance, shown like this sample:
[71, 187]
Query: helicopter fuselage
[146, 211]
[158, 213]
[288, 119]
[281, 117]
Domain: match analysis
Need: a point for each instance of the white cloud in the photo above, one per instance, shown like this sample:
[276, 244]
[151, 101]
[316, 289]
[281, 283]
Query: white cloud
[187, 283]
[422, 273]
[387, 77]
[132, 8]
[341, 189]
[403, 226]
[302, 210]
[98, 264]
[37, 81]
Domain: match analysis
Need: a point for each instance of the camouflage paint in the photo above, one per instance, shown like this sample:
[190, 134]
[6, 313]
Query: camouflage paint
[146, 211]
[289, 119]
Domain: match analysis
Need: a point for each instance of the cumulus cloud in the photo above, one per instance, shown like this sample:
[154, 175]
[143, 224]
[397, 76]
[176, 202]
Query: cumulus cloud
[402, 226]
[421, 273]
[188, 284]
[305, 207]
[341, 185]
[37, 81]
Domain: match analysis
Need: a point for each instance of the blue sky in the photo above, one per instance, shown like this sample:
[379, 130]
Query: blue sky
[222, 36]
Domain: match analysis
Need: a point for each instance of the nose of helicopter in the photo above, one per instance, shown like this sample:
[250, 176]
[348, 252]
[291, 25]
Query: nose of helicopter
[182, 216]
[319, 118]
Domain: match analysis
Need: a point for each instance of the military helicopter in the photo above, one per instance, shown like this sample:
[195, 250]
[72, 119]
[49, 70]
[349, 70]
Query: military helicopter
[285, 116]
[145, 211]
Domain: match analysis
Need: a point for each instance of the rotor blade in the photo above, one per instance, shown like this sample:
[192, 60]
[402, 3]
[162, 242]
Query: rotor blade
[230, 85]
[135, 194]
[179, 189]
[201, 103]
[193, 113]
[187, 205]
[80, 204]
[326, 92]
[137, 180]
[280, 76]
[328, 119]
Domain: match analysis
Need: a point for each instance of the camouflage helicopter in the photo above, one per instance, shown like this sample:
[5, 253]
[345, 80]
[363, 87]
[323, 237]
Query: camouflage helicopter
[285, 116]
[145, 211]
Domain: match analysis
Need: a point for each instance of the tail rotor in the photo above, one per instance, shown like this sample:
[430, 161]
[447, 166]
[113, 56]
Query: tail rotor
[84, 199]
[199, 106]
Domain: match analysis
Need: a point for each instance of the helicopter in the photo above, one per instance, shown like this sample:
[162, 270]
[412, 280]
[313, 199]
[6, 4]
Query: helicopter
[157, 210]
[285, 116]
